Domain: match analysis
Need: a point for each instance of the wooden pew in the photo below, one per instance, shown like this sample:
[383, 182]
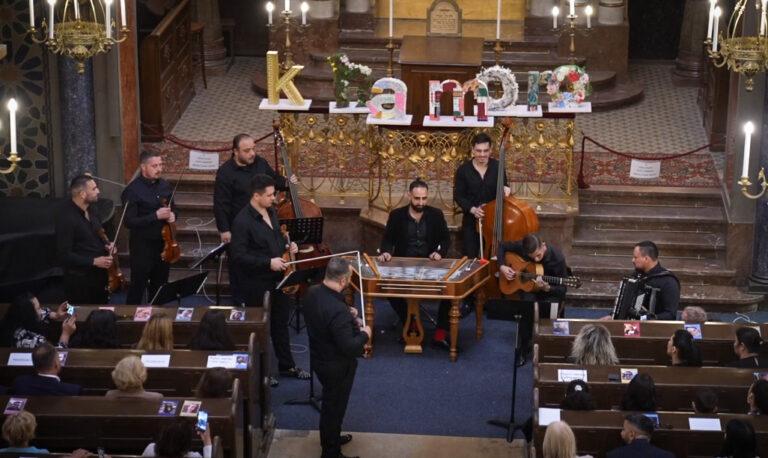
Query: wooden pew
[650, 348]
[675, 386]
[598, 432]
[66, 423]
[216, 452]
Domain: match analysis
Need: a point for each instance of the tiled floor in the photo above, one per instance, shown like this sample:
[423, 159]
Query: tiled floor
[666, 121]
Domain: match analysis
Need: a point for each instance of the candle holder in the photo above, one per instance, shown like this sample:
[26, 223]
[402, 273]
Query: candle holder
[390, 64]
[14, 159]
[497, 49]
[288, 24]
[745, 184]
[571, 28]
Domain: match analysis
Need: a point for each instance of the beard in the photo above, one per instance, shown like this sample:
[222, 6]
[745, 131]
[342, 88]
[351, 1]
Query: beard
[417, 208]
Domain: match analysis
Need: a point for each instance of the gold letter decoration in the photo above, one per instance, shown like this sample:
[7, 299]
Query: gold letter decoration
[277, 83]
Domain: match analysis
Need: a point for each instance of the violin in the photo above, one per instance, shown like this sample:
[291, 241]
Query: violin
[171, 252]
[288, 257]
[116, 280]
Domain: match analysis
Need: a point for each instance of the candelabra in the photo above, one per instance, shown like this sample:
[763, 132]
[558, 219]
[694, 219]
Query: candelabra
[75, 35]
[13, 158]
[390, 64]
[571, 28]
[749, 129]
[497, 49]
[288, 24]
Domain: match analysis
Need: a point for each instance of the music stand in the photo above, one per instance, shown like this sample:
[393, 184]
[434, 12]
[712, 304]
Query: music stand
[214, 254]
[294, 278]
[176, 290]
[511, 311]
[304, 230]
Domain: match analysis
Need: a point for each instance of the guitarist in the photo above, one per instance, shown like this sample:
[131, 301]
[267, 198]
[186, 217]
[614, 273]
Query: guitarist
[532, 249]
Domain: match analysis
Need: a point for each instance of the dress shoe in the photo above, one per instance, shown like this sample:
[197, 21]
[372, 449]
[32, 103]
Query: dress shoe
[273, 381]
[345, 439]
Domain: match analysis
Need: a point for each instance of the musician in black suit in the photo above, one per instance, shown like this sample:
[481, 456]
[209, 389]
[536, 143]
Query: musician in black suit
[474, 186]
[645, 258]
[418, 231]
[533, 249]
[148, 198]
[336, 340]
[46, 382]
[257, 248]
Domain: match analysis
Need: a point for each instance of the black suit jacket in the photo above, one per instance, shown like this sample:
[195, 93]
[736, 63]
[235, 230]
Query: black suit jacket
[334, 337]
[37, 385]
[395, 241]
[750, 362]
[639, 448]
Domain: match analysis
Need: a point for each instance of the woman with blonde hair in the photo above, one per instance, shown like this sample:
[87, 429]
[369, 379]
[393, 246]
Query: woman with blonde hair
[129, 377]
[559, 441]
[593, 347]
[18, 430]
[157, 334]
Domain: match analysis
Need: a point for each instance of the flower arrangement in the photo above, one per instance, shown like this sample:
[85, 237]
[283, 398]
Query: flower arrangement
[576, 82]
[346, 73]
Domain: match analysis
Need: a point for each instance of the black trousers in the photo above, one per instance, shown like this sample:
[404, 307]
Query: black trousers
[148, 271]
[234, 280]
[400, 306]
[87, 287]
[280, 313]
[471, 239]
[337, 379]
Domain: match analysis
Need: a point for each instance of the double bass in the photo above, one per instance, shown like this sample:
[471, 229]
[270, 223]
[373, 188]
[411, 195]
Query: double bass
[506, 218]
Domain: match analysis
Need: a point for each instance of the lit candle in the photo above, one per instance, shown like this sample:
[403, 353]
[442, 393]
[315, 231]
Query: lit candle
[107, 18]
[51, 3]
[391, 16]
[716, 25]
[764, 3]
[77, 8]
[123, 17]
[270, 8]
[287, 5]
[12, 106]
[32, 13]
[555, 14]
[304, 9]
[749, 128]
[572, 7]
[712, 4]
[588, 11]
[498, 19]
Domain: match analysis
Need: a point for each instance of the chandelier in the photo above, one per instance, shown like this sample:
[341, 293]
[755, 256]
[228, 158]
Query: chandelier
[742, 50]
[80, 29]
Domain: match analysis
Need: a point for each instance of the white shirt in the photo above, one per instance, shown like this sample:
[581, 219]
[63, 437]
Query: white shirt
[150, 451]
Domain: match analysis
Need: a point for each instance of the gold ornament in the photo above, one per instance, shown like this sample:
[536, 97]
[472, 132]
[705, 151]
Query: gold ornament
[277, 83]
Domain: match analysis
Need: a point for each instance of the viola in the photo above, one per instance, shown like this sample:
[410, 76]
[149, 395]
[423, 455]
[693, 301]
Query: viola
[171, 251]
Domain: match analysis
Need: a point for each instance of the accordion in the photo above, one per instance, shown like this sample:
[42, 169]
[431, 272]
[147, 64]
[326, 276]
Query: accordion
[635, 299]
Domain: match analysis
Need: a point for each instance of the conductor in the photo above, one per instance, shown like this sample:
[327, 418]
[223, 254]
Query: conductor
[336, 340]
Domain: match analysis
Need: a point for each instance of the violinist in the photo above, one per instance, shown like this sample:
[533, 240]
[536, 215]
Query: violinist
[474, 186]
[232, 188]
[257, 248]
[81, 252]
[149, 208]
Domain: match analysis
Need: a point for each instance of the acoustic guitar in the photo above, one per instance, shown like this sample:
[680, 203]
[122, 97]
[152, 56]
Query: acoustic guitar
[527, 272]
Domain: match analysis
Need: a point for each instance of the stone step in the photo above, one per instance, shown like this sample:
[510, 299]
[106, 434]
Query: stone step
[633, 195]
[698, 271]
[588, 240]
[713, 298]
[194, 203]
[651, 217]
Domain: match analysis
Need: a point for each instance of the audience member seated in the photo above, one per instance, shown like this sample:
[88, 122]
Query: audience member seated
[577, 397]
[746, 345]
[212, 333]
[705, 401]
[637, 432]
[640, 394]
[694, 314]
[216, 382]
[559, 441]
[98, 331]
[46, 382]
[129, 377]
[25, 323]
[682, 350]
[18, 430]
[593, 347]
[157, 334]
[176, 439]
[757, 398]
[740, 440]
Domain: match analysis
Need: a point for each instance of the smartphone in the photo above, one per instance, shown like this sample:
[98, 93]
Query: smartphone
[70, 309]
[202, 420]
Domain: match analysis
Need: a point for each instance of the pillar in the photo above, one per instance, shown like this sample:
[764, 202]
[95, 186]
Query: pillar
[758, 280]
[610, 12]
[78, 137]
[207, 12]
[690, 62]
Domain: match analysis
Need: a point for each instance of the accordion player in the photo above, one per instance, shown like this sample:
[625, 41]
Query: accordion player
[636, 300]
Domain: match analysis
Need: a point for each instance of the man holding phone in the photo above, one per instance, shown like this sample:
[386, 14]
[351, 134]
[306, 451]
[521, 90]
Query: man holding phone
[336, 340]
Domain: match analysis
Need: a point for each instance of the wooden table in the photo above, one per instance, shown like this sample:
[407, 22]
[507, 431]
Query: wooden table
[415, 279]
[437, 58]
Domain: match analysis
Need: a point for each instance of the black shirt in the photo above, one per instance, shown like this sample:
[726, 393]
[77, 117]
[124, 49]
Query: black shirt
[553, 263]
[750, 362]
[232, 190]
[668, 297]
[143, 197]
[397, 240]
[472, 190]
[254, 244]
[417, 238]
[77, 239]
[333, 332]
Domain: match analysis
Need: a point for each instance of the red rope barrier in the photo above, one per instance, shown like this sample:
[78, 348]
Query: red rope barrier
[187, 144]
